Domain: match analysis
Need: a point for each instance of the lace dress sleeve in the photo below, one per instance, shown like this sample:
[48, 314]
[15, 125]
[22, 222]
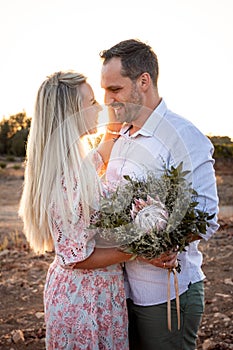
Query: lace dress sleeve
[97, 160]
[72, 242]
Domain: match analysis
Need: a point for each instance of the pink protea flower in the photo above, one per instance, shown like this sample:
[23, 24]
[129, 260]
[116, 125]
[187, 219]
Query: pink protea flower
[149, 214]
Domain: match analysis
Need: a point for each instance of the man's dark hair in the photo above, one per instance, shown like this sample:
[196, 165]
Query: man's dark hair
[136, 58]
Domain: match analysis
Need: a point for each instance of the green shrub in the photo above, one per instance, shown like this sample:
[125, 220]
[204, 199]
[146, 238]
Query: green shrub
[2, 165]
[223, 151]
[16, 166]
[10, 158]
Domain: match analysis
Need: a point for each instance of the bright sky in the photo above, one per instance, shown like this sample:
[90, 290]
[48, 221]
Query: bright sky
[192, 38]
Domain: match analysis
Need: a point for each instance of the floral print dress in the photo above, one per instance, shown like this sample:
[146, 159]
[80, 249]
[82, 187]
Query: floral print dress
[84, 309]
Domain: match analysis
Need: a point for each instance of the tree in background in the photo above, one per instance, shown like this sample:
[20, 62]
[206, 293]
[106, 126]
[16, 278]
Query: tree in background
[220, 140]
[14, 133]
[4, 132]
[223, 146]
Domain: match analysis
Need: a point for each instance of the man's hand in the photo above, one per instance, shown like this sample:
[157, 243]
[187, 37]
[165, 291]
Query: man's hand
[165, 261]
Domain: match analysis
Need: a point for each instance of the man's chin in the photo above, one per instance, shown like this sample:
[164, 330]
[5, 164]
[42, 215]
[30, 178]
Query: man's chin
[120, 117]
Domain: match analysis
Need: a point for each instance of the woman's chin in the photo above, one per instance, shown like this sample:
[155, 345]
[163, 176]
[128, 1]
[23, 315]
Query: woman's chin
[92, 131]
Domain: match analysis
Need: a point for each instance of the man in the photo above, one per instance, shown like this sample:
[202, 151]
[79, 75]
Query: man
[153, 136]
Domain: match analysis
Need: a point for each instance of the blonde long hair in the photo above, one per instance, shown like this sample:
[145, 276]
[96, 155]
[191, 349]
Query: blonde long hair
[55, 152]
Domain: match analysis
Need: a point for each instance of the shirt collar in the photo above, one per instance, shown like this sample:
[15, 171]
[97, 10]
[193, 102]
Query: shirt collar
[153, 121]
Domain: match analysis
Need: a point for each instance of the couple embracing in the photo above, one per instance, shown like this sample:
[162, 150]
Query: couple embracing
[103, 298]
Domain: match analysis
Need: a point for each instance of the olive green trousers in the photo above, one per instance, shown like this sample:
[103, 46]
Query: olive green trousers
[148, 329]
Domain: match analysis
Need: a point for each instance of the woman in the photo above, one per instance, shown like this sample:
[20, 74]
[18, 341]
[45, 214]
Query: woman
[84, 295]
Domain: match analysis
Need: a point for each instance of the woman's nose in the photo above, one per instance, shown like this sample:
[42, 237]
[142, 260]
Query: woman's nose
[99, 107]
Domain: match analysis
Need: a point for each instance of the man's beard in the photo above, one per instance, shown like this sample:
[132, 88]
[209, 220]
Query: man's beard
[129, 111]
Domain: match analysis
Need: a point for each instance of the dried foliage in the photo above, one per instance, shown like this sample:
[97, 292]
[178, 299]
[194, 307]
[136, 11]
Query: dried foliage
[150, 216]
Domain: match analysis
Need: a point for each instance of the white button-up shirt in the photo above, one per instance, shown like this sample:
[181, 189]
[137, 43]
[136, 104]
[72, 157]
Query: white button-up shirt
[166, 139]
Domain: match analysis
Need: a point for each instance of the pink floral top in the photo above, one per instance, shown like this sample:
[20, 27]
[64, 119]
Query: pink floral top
[84, 309]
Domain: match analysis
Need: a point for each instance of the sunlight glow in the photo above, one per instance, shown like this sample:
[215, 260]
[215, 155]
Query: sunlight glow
[193, 41]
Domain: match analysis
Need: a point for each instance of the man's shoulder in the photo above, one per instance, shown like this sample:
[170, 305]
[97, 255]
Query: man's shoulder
[170, 117]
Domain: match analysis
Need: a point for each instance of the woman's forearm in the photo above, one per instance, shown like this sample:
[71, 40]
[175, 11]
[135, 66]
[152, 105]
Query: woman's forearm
[102, 257]
[105, 147]
[112, 133]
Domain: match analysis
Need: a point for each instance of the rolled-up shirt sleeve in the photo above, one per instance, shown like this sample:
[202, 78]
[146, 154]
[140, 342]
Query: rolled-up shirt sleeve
[203, 175]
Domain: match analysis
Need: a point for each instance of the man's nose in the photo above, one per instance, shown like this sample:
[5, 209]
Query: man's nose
[108, 98]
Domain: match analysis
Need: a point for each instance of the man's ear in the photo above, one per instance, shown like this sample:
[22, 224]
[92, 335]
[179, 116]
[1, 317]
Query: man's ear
[144, 80]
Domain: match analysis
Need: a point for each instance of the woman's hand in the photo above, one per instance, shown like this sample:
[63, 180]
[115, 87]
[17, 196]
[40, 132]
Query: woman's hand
[112, 133]
[113, 123]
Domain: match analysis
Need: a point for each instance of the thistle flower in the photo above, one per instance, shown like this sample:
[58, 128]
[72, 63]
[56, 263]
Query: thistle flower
[149, 214]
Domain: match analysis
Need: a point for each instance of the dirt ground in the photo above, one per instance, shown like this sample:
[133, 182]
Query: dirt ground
[22, 273]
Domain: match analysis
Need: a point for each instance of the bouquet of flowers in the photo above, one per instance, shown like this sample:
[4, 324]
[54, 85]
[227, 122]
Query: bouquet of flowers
[150, 216]
[147, 217]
